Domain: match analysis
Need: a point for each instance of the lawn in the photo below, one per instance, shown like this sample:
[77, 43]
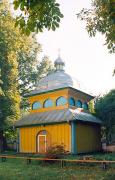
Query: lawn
[17, 169]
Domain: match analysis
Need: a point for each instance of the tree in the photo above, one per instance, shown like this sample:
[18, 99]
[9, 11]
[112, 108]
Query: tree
[37, 15]
[18, 61]
[44, 67]
[105, 109]
[28, 61]
[10, 100]
[30, 81]
[91, 106]
[101, 18]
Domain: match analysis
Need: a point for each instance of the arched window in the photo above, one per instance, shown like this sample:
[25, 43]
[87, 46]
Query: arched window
[85, 106]
[79, 104]
[48, 103]
[71, 101]
[61, 101]
[36, 105]
[42, 132]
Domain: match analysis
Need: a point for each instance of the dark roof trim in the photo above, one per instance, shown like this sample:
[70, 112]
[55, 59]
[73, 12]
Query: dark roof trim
[42, 124]
[29, 95]
[62, 122]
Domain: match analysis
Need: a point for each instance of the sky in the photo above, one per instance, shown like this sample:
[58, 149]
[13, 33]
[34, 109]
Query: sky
[86, 59]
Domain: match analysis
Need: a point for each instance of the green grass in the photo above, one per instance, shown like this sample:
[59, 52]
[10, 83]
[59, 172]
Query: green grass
[17, 169]
[98, 156]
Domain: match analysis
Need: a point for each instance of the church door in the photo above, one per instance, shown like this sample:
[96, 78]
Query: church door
[41, 144]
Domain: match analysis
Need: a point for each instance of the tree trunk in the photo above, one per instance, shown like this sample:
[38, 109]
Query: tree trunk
[1, 141]
[3, 144]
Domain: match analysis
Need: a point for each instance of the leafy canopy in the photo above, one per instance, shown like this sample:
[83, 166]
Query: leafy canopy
[37, 15]
[101, 18]
[19, 69]
[105, 109]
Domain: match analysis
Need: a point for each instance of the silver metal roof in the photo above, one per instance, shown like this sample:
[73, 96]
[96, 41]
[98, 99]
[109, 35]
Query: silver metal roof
[56, 116]
[56, 80]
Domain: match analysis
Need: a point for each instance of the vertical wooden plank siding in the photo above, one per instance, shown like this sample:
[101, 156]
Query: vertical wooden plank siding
[57, 134]
[88, 138]
[73, 138]
[18, 148]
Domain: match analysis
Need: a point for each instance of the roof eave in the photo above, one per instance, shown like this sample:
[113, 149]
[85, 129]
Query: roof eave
[41, 124]
[44, 92]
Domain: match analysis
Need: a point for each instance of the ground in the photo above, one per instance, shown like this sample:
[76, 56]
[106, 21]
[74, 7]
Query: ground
[17, 169]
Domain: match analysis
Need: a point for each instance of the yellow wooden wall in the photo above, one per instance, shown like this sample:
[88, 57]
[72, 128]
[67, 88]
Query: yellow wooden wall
[88, 138]
[58, 133]
[53, 96]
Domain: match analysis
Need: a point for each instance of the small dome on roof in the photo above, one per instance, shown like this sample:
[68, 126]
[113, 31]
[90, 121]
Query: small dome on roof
[59, 61]
[57, 79]
[59, 64]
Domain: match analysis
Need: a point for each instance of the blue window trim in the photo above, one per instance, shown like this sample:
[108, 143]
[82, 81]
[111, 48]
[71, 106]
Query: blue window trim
[71, 101]
[51, 105]
[73, 137]
[78, 104]
[38, 104]
[61, 103]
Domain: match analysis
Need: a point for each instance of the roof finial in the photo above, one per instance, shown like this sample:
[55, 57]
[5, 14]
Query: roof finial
[59, 52]
[59, 63]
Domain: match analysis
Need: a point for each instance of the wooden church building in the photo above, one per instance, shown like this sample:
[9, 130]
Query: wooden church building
[59, 115]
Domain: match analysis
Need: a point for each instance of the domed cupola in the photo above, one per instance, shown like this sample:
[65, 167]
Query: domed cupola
[59, 64]
[57, 79]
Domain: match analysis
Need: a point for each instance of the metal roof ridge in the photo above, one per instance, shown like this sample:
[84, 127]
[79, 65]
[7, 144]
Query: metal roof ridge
[84, 113]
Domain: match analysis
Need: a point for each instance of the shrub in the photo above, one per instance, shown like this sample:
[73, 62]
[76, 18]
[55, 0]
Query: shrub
[56, 152]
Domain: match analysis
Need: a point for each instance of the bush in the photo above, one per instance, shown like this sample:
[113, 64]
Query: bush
[56, 152]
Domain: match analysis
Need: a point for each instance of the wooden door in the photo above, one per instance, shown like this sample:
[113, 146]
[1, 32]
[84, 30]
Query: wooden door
[41, 144]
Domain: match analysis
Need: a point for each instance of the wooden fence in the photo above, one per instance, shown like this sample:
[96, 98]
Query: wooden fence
[62, 161]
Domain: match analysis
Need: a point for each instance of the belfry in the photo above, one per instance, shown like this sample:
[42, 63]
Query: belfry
[59, 115]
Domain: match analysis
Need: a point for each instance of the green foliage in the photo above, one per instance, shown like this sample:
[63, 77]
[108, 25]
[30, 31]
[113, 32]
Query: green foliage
[101, 18]
[44, 67]
[11, 135]
[31, 71]
[91, 107]
[37, 15]
[56, 152]
[11, 43]
[19, 70]
[105, 109]
[27, 61]
[9, 102]
[1, 92]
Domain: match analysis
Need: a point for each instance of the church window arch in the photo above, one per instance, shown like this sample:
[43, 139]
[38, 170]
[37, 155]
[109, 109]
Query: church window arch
[61, 101]
[36, 105]
[78, 104]
[85, 106]
[71, 101]
[48, 103]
